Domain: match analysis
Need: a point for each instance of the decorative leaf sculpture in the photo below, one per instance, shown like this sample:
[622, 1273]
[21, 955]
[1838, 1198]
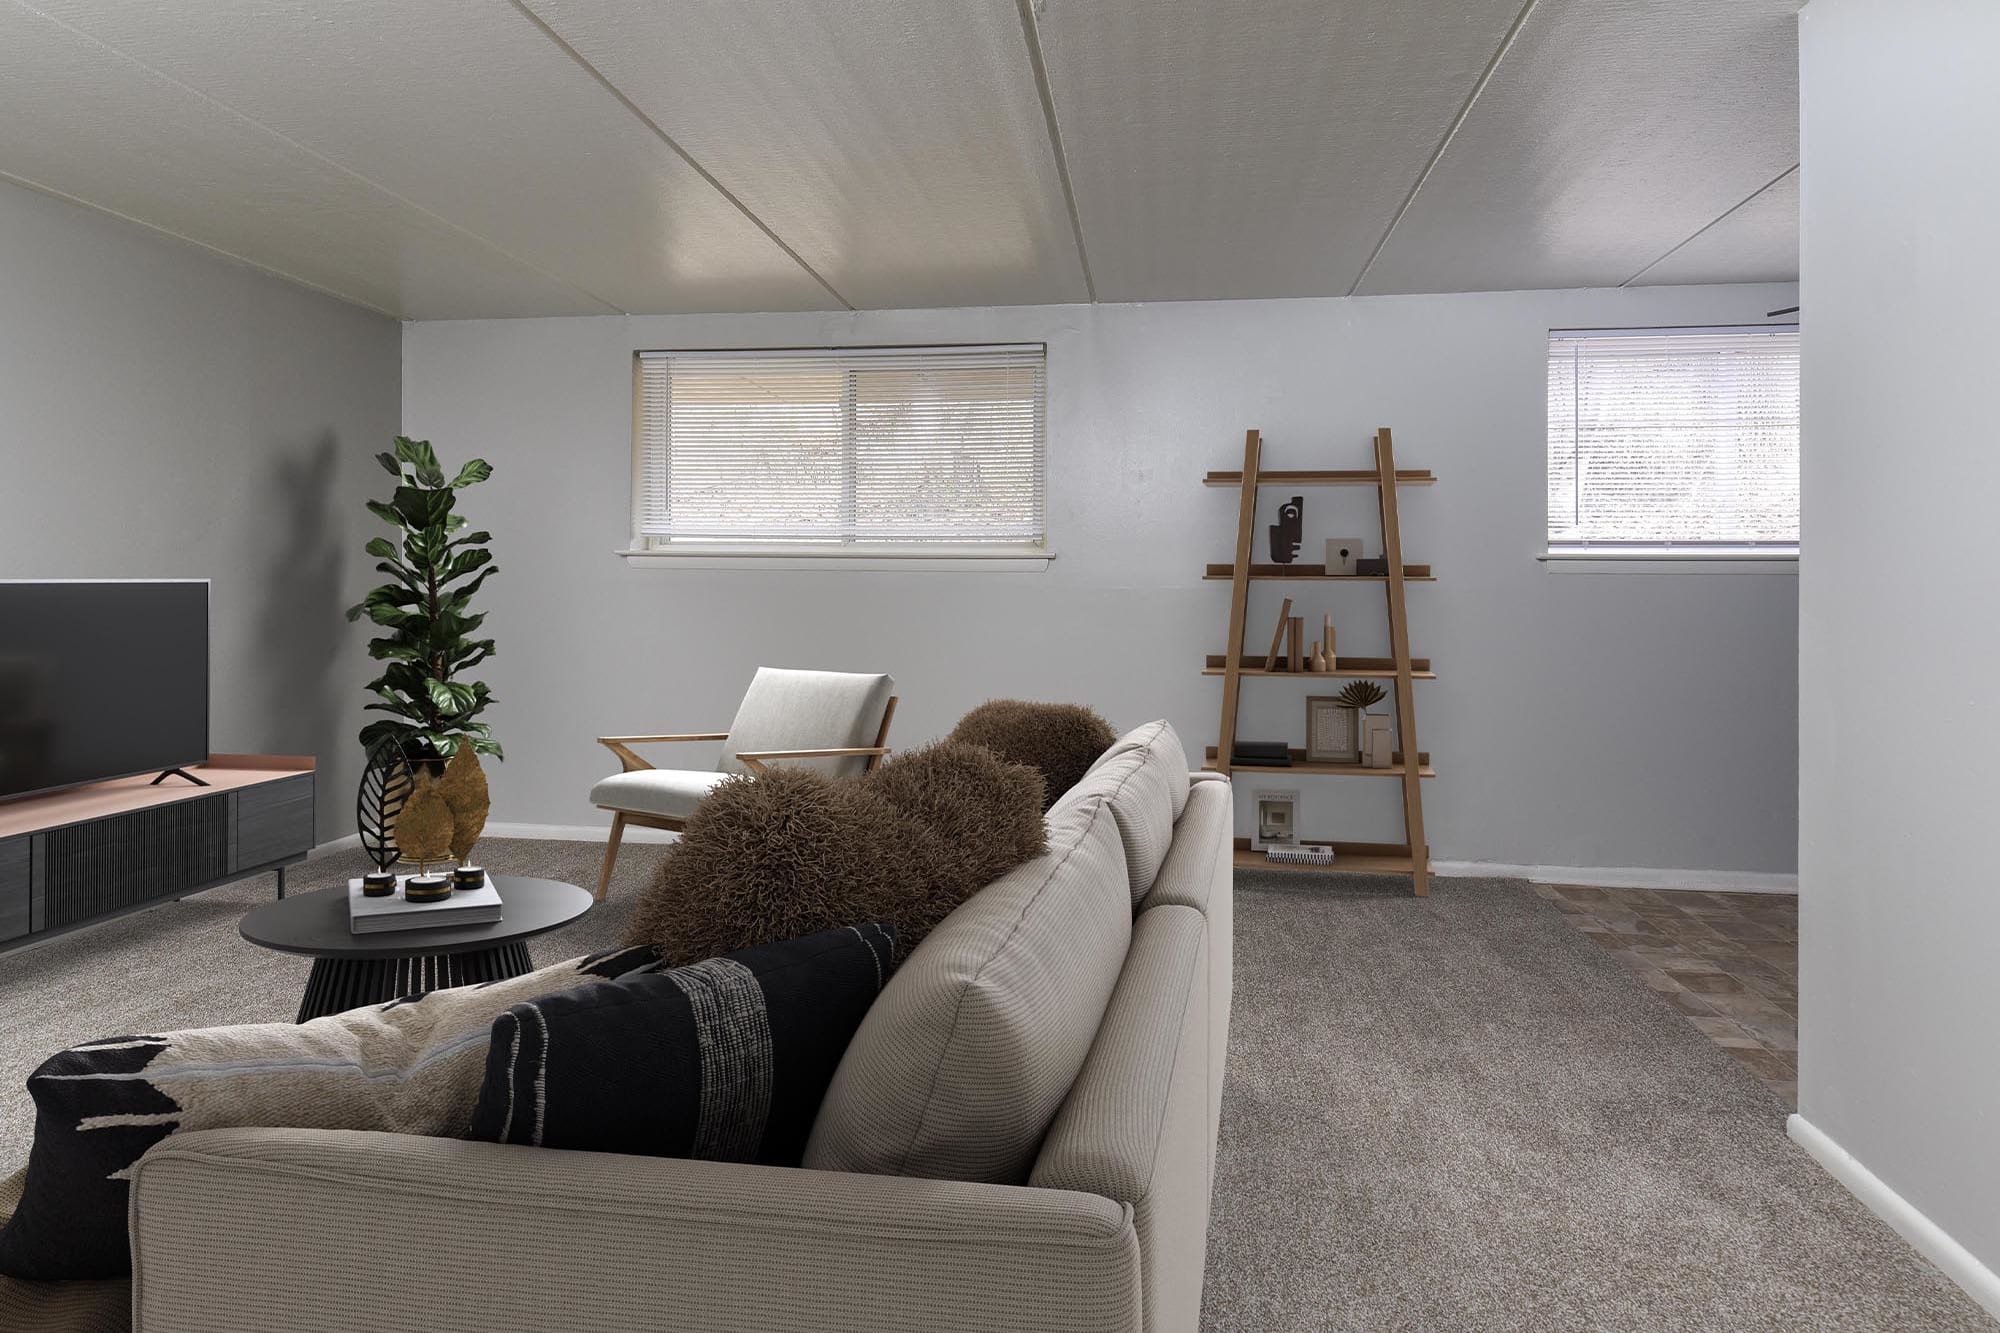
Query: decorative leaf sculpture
[386, 784]
[435, 570]
[423, 829]
[1360, 695]
[464, 790]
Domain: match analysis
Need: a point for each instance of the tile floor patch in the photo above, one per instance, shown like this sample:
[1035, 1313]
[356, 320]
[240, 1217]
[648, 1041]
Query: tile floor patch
[1729, 962]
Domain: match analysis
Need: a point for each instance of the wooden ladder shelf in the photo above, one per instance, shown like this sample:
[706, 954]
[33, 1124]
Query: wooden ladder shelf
[1412, 856]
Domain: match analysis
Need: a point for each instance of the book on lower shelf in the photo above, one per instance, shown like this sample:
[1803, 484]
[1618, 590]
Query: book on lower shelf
[465, 907]
[1260, 754]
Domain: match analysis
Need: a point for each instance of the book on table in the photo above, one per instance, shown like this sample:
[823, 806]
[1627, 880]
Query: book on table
[465, 907]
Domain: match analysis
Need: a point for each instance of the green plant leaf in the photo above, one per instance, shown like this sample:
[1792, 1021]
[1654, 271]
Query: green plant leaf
[390, 465]
[421, 458]
[417, 507]
[472, 473]
[382, 547]
[464, 562]
[473, 539]
[451, 698]
[385, 513]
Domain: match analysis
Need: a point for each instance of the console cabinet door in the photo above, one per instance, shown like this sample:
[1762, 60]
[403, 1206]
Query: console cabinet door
[15, 864]
[274, 822]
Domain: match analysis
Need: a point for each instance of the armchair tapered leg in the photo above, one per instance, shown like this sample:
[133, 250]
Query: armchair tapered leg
[610, 855]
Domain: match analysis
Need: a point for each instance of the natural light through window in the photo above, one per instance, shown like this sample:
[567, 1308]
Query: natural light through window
[917, 450]
[1674, 440]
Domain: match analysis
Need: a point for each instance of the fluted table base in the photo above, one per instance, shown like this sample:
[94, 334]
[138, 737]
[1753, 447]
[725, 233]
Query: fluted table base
[339, 984]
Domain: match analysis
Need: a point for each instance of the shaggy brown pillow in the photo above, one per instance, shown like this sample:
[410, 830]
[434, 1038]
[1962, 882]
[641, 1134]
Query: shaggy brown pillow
[792, 852]
[1060, 741]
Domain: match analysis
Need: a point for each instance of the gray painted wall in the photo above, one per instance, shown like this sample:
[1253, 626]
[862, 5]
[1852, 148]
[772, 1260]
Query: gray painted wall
[1898, 982]
[1593, 720]
[165, 413]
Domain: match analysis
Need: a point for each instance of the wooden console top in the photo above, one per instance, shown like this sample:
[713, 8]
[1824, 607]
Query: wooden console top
[222, 772]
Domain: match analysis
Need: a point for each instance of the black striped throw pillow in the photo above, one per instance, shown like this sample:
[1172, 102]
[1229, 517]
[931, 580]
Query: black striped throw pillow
[724, 1060]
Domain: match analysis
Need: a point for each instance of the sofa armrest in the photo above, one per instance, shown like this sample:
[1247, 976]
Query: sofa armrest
[242, 1229]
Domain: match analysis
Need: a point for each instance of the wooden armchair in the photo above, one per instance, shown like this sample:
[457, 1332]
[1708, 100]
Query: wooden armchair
[824, 718]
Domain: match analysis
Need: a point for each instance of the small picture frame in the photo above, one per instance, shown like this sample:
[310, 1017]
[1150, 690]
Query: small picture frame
[1342, 554]
[1331, 734]
[1274, 819]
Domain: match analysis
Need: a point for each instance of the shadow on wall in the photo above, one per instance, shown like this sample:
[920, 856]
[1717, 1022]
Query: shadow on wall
[300, 624]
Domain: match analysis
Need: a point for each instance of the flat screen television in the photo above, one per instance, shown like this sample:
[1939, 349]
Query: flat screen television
[100, 679]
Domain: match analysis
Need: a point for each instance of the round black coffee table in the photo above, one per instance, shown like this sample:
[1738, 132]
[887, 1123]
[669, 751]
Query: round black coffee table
[352, 970]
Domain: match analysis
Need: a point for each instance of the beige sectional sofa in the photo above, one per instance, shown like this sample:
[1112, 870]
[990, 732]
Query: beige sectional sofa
[1021, 1136]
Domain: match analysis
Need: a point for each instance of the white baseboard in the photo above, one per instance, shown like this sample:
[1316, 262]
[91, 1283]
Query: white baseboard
[1626, 877]
[596, 833]
[1925, 1236]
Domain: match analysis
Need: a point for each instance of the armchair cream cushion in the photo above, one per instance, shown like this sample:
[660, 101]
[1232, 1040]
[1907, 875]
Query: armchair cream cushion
[808, 710]
[673, 792]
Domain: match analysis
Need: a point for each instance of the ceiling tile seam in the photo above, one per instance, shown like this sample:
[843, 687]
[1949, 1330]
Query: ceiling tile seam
[1451, 132]
[659, 133]
[317, 156]
[229, 255]
[1031, 34]
[1727, 213]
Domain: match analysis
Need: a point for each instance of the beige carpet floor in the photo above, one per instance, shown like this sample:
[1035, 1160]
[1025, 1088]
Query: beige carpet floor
[1442, 1114]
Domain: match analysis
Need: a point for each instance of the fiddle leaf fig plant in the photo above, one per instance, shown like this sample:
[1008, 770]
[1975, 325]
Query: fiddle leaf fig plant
[435, 567]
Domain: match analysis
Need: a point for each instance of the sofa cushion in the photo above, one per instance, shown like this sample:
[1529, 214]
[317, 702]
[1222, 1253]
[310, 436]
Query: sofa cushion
[1144, 776]
[725, 1060]
[673, 792]
[963, 1062]
[1164, 743]
[410, 1066]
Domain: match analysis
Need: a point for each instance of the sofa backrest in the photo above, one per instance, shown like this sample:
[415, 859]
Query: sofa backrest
[962, 1063]
[1144, 779]
[1139, 1125]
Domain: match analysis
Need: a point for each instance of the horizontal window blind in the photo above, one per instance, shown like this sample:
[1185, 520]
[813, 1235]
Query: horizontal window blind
[940, 445]
[1665, 438]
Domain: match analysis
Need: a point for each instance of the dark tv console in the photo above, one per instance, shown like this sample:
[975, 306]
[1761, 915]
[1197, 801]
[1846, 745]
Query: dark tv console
[74, 857]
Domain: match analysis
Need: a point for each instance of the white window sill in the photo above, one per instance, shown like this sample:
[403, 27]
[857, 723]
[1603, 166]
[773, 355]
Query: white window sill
[930, 559]
[1670, 560]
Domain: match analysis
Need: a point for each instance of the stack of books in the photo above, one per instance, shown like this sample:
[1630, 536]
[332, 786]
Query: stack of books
[1260, 754]
[465, 907]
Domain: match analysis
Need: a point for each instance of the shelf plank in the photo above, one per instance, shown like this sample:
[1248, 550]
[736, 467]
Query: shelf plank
[1282, 573]
[1349, 858]
[1339, 477]
[1299, 765]
[1351, 668]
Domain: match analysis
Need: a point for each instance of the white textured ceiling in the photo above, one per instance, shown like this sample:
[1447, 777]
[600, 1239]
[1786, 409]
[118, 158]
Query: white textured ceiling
[469, 158]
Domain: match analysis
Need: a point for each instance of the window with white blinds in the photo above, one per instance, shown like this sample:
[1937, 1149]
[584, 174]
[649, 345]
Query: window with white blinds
[1673, 438]
[905, 447]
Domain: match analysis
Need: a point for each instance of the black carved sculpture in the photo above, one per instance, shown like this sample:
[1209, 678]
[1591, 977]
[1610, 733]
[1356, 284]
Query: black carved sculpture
[386, 783]
[1288, 531]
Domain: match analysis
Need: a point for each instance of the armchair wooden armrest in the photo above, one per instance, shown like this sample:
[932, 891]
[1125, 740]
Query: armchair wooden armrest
[754, 759]
[632, 762]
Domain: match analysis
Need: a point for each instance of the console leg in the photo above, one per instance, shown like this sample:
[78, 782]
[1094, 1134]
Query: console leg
[281, 881]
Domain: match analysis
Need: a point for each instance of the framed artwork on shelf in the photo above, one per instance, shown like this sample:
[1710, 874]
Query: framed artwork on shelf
[1331, 734]
[1276, 820]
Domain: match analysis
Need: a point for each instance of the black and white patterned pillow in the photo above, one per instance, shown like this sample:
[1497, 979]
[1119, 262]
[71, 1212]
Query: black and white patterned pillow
[411, 1066]
[725, 1060]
